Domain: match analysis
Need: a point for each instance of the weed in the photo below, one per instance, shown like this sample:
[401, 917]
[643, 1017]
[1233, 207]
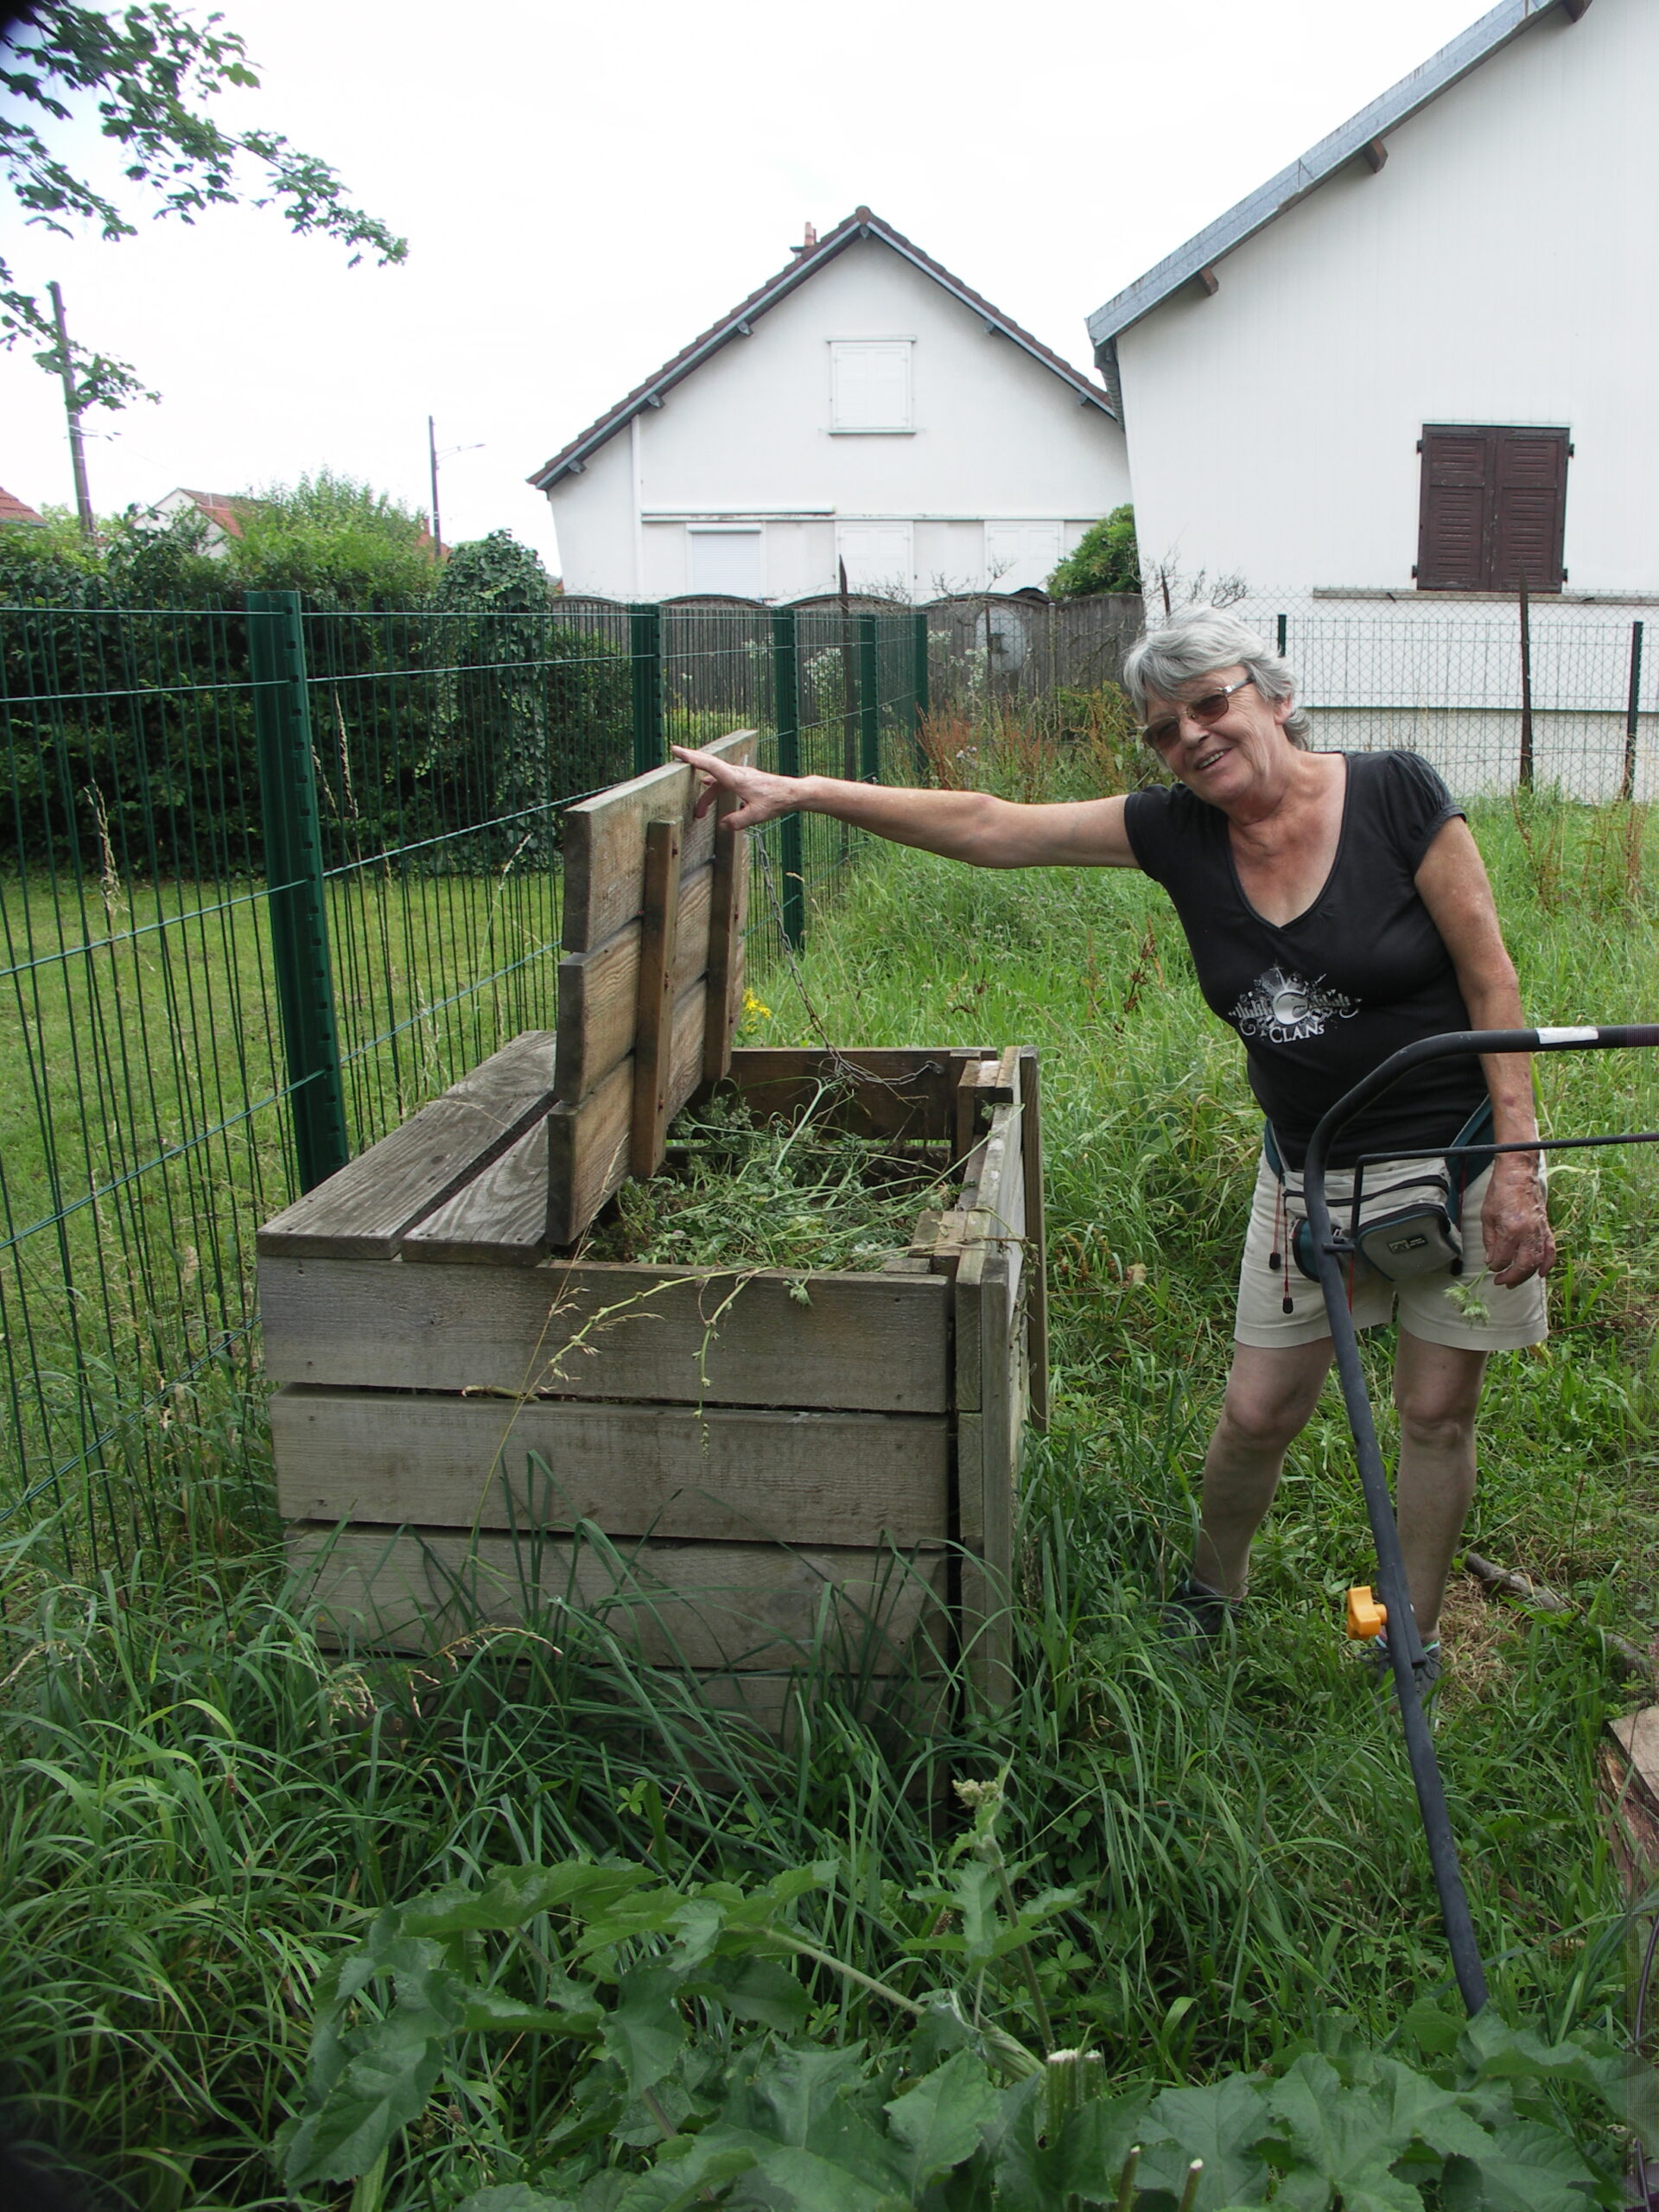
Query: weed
[796, 1194]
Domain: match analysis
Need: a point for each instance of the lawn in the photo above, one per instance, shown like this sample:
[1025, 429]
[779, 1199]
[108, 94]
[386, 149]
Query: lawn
[1214, 1875]
[143, 1137]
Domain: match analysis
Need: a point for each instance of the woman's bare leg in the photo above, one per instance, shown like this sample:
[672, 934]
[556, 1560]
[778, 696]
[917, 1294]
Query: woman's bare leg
[1270, 1396]
[1436, 1392]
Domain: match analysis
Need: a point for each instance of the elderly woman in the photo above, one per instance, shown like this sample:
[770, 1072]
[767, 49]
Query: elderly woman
[1336, 908]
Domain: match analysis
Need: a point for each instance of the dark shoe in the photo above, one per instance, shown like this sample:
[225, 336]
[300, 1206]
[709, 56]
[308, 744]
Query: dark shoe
[1193, 1609]
[1382, 1665]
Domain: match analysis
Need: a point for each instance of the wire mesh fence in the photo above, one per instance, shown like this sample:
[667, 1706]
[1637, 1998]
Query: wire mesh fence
[269, 880]
[1563, 696]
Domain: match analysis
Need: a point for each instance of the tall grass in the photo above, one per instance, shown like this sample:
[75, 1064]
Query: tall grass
[201, 1804]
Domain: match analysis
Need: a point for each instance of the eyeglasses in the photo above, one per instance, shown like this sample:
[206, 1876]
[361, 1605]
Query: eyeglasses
[1162, 734]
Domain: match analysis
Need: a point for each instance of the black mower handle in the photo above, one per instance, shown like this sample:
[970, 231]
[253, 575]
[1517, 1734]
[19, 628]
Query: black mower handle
[1405, 1646]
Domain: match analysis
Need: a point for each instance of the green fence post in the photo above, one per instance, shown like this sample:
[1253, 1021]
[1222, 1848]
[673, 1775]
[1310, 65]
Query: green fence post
[787, 712]
[1284, 626]
[645, 656]
[869, 703]
[293, 888]
[1632, 714]
[919, 688]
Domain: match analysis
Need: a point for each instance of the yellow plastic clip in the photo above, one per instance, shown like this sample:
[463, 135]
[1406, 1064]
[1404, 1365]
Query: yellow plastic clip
[1365, 1617]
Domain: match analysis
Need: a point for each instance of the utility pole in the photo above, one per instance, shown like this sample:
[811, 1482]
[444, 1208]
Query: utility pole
[437, 527]
[71, 408]
[433, 457]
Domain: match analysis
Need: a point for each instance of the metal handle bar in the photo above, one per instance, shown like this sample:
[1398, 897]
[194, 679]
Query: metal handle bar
[1486, 1150]
[1405, 1646]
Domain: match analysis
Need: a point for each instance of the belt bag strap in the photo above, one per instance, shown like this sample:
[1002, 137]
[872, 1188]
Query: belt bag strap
[1410, 1227]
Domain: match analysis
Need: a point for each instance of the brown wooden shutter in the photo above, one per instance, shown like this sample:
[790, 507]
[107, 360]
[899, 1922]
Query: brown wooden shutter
[1530, 509]
[1494, 507]
[1455, 523]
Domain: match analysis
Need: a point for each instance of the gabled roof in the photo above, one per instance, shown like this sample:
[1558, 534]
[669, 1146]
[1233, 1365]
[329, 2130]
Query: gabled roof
[1362, 136]
[13, 510]
[225, 509]
[806, 264]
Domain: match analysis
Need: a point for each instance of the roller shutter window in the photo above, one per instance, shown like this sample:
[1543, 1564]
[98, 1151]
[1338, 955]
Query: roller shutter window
[1493, 510]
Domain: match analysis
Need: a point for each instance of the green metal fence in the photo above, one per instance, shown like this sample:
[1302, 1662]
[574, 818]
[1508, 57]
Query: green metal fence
[269, 879]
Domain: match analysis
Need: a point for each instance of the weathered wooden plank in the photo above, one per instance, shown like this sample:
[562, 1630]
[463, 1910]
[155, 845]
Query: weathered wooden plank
[1031, 1146]
[989, 1242]
[728, 915]
[587, 1153]
[987, 1466]
[989, 1388]
[737, 1475]
[909, 1093]
[984, 1629]
[371, 1204]
[717, 1607]
[1003, 1088]
[588, 1144]
[965, 1109]
[874, 1343]
[498, 1218]
[1638, 1734]
[938, 1239]
[598, 991]
[654, 1018]
[604, 843]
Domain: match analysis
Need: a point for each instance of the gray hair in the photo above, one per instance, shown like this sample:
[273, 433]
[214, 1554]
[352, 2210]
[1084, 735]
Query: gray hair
[1198, 640]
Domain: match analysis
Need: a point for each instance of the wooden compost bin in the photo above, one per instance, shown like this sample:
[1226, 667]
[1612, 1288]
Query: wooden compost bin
[775, 1463]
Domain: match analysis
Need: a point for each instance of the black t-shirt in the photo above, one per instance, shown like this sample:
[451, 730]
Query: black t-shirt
[1320, 1001]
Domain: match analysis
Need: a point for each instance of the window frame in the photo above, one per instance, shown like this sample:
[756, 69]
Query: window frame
[905, 349]
[1501, 506]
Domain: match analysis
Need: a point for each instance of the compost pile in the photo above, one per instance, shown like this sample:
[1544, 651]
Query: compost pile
[791, 1194]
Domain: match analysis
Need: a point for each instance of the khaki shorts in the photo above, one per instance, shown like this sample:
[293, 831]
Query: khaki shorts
[1427, 1304]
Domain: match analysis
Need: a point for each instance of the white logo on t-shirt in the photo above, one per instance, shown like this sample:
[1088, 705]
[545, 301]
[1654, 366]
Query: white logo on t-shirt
[1284, 1009]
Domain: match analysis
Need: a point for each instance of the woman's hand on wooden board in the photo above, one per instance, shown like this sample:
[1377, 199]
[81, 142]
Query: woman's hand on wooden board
[762, 798]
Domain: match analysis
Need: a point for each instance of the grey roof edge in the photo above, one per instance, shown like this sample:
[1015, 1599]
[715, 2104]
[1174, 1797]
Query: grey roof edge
[861, 224]
[1477, 43]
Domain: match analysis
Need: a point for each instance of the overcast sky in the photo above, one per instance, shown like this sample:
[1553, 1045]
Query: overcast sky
[584, 190]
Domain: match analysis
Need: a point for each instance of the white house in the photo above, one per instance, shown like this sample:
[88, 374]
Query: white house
[220, 514]
[864, 406]
[1420, 361]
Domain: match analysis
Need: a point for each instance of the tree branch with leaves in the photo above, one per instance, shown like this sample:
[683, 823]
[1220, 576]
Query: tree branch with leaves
[153, 72]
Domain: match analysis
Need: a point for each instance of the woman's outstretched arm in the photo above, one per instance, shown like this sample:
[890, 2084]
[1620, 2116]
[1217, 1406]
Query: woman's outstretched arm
[969, 826]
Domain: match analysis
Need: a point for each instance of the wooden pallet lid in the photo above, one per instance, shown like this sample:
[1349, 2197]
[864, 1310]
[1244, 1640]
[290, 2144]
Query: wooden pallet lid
[526, 1148]
[651, 985]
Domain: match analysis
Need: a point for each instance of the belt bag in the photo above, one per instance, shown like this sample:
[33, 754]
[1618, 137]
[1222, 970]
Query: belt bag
[1409, 1225]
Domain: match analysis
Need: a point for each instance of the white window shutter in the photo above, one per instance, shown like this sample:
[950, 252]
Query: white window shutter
[870, 384]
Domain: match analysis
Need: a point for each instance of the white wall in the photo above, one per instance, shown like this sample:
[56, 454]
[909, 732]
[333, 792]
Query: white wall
[594, 515]
[1500, 268]
[998, 438]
